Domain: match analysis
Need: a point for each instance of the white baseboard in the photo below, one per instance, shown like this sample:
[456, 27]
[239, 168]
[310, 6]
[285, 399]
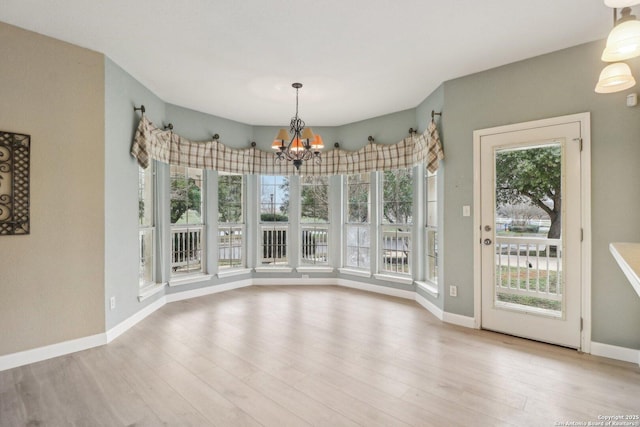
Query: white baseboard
[615, 352]
[454, 319]
[39, 354]
[268, 281]
[130, 322]
[400, 293]
[195, 293]
[431, 307]
[26, 357]
[457, 319]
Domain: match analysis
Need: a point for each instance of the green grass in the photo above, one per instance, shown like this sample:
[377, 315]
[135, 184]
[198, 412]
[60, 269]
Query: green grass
[530, 301]
[520, 281]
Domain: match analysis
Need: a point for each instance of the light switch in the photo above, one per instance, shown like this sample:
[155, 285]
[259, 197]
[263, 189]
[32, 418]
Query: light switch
[466, 210]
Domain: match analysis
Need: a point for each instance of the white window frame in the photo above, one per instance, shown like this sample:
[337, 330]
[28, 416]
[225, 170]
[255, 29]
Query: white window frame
[314, 230]
[275, 227]
[230, 226]
[431, 200]
[189, 229]
[144, 229]
[385, 228]
[356, 225]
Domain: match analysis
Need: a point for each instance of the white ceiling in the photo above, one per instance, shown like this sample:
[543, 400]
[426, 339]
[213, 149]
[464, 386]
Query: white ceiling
[357, 59]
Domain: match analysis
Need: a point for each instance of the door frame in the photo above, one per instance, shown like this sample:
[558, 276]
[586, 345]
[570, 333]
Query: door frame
[585, 211]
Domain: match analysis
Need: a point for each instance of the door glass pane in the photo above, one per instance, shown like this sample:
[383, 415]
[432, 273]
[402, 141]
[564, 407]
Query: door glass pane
[528, 229]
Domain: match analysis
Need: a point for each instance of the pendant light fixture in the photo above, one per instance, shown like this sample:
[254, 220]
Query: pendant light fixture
[299, 144]
[623, 43]
[624, 40]
[614, 78]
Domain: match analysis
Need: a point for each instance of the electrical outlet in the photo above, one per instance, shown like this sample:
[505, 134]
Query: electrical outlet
[305, 276]
[453, 291]
[112, 303]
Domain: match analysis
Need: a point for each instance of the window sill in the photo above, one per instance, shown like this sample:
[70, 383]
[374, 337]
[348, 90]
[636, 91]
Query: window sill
[274, 269]
[189, 280]
[429, 288]
[314, 269]
[233, 272]
[405, 280]
[353, 272]
[150, 290]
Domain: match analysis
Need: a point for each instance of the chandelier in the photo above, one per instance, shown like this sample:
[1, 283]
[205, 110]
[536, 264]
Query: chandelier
[299, 144]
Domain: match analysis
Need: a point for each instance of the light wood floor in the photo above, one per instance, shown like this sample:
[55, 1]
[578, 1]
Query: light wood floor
[297, 356]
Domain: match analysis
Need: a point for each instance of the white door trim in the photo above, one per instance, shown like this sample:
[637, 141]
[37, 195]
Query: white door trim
[585, 183]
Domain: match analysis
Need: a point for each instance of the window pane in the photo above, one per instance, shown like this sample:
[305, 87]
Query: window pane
[186, 195]
[432, 255]
[397, 196]
[358, 198]
[229, 198]
[357, 246]
[274, 244]
[145, 196]
[186, 250]
[145, 222]
[314, 207]
[230, 247]
[315, 244]
[432, 214]
[396, 250]
[146, 256]
[274, 199]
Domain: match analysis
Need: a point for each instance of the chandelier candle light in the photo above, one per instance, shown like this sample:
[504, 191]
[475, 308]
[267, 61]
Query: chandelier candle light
[299, 144]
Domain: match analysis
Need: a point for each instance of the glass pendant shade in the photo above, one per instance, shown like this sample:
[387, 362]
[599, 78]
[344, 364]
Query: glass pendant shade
[621, 3]
[623, 42]
[614, 78]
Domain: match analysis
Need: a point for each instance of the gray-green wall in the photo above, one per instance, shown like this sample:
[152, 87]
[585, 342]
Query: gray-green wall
[551, 85]
[122, 92]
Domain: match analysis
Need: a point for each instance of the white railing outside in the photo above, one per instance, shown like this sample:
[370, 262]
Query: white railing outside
[315, 244]
[530, 267]
[274, 244]
[230, 240]
[396, 250]
[186, 249]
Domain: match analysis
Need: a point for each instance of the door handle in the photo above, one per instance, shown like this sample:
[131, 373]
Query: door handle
[487, 242]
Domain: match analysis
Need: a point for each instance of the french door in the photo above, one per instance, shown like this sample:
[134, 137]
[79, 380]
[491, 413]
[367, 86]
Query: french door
[531, 231]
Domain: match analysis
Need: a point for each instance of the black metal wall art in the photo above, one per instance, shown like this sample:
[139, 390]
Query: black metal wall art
[14, 183]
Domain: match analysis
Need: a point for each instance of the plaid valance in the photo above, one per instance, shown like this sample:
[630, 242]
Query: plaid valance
[166, 146]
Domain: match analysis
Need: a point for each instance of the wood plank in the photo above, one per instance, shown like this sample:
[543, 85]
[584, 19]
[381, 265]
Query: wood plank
[309, 355]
